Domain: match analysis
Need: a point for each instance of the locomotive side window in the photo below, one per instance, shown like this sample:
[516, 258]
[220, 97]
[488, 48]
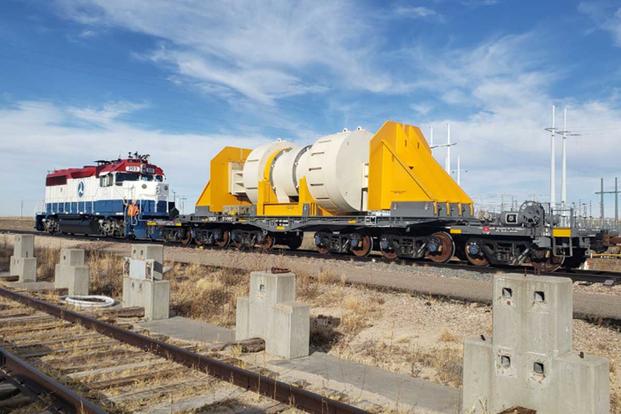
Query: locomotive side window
[105, 180]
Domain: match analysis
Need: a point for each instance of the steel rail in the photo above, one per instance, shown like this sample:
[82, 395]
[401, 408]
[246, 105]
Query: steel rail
[24, 372]
[277, 390]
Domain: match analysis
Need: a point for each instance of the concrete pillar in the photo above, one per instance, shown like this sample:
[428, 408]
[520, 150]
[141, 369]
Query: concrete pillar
[71, 273]
[529, 361]
[142, 281]
[23, 263]
[270, 312]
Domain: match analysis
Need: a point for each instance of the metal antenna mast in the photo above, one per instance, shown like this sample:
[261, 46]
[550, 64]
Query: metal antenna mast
[564, 134]
[552, 161]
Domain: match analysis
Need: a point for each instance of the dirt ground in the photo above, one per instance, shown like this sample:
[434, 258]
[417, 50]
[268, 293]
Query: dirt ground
[405, 333]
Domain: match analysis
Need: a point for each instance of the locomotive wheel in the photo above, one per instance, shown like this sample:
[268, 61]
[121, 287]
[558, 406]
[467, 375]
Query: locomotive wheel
[446, 248]
[226, 240]
[548, 265]
[365, 248]
[475, 259]
[267, 244]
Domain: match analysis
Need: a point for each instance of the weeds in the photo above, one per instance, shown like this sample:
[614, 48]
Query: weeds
[206, 293]
[448, 336]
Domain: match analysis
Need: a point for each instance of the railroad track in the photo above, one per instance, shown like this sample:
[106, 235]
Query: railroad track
[99, 364]
[577, 275]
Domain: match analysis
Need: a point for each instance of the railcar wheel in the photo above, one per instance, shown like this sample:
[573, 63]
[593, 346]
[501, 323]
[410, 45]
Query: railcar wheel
[364, 246]
[187, 238]
[389, 255]
[295, 242]
[475, 254]
[320, 243]
[267, 243]
[224, 242]
[440, 248]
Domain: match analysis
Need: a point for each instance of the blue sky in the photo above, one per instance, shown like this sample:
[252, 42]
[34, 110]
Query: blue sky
[83, 80]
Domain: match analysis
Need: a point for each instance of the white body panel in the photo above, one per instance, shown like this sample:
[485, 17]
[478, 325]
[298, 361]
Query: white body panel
[88, 191]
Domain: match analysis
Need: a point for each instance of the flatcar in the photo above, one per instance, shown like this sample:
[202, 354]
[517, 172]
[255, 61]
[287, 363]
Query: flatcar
[359, 192]
[110, 198]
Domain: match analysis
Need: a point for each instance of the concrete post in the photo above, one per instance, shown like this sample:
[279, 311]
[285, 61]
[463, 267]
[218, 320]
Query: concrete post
[271, 313]
[23, 262]
[71, 273]
[142, 281]
[529, 361]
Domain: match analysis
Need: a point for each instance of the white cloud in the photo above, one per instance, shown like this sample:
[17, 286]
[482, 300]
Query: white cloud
[261, 51]
[416, 12]
[504, 87]
[606, 15]
[107, 114]
[41, 136]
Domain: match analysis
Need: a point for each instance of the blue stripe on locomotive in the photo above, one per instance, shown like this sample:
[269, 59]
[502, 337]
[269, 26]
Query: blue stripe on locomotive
[104, 207]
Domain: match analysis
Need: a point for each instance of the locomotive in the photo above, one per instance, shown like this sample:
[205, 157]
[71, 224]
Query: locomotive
[111, 198]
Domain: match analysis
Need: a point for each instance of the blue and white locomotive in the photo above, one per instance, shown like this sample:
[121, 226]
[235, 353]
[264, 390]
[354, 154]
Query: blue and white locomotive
[112, 198]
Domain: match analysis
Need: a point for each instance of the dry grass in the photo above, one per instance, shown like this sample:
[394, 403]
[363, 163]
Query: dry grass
[46, 262]
[106, 271]
[202, 292]
[447, 362]
[448, 336]
[356, 315]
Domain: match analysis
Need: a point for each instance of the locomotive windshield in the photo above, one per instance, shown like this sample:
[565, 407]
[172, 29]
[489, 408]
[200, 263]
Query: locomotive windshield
[128, 176]
[121, 176]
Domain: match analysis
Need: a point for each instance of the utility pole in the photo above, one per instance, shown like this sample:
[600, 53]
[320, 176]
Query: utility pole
[447, 164]
[21, 208]
[601, 193]
[458, 169]
[552, 161]
[616, 202]
[564, 161]
[182, 202]
[601, 202]
[431, 136]
[448, 145]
